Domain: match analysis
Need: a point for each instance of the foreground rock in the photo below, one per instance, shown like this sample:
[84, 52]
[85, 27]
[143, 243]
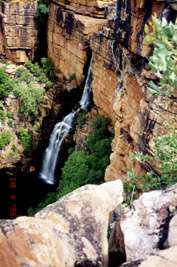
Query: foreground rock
[149, 227]
[164, 258]
[70, 232]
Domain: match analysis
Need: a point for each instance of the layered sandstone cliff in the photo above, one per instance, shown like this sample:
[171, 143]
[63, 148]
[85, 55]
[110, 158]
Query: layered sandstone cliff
[119, 69]
[70, 28]
[18, 29]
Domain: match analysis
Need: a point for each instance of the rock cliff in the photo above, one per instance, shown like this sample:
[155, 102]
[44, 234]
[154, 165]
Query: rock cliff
[113, 32]
[18, 32]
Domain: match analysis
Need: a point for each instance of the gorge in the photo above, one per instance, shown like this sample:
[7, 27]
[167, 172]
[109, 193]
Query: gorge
[113, 59]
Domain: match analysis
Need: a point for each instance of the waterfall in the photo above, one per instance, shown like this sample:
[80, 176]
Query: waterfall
[50, 157]
[60, 131]
[86, 96]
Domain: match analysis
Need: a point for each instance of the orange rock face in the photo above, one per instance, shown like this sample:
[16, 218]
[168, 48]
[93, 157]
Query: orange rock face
[95, 8]
[119, 69]
[104, 78]
[18, 32]
[68, 41]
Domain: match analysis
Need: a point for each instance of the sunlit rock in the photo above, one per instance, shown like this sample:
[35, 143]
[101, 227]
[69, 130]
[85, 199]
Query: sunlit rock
[18, 33]
[70, 232]
[145, 227]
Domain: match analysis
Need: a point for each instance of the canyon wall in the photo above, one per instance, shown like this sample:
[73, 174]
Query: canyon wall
[18, 32]
[113, 32]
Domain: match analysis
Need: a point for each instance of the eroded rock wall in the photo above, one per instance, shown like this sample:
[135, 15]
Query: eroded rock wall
[70, 28]
[141, 117]
[113, 31]
[18, 29]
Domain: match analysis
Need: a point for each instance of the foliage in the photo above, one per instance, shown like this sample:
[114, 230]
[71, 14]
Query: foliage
[166, 154]
[2, 115]
[41, 72]
[29, 97]
[75, 172]
[48, 68]
[88, 166]
[42, 11]
[166, 157]
[6, 83]
[25, 138]
[163, 61]
[43, 7]
[23, 74]
[5, 138]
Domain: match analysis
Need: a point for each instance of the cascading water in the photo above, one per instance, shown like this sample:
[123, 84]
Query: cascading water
[60, 131]
[86, 96]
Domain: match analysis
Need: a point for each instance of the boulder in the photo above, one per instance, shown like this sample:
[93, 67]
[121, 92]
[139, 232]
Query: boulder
[172, 233]
[145, 226]
[163, 258]
[70, 232]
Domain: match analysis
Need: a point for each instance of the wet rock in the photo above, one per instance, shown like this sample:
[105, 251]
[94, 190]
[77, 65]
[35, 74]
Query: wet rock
[70, 232]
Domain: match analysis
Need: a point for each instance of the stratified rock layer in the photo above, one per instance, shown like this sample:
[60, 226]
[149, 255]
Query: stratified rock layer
[18, 30]
[119, 70]
[70, 232]
[68, 41]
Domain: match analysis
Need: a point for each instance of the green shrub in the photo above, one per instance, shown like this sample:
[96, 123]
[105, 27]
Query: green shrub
[163, 37]
[37, 71]
[30, 97]
[43, 8]
[88, 166]
[2, 115]
[42, 73]
[75, 172]
[166, 156]
[10, 123]
[26, 139]
[6, 84]
[48, 68]
[5, 138]
[23, 74]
